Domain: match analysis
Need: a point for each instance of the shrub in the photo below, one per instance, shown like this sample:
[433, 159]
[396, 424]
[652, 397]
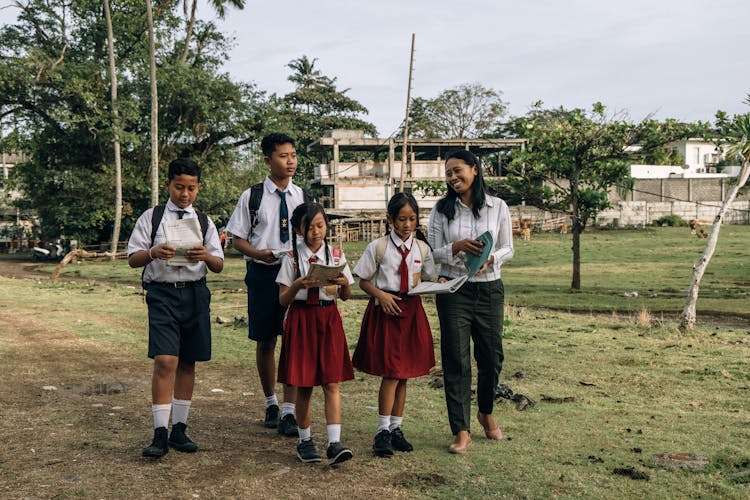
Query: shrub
[671, 220]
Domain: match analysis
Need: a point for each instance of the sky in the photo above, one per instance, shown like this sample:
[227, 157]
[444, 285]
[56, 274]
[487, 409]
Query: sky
[680, 59]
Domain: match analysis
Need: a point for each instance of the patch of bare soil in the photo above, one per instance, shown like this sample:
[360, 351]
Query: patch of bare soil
[75, 414]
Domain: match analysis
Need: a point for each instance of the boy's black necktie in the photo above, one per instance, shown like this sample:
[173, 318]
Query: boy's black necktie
[283, 217]
[181, 213]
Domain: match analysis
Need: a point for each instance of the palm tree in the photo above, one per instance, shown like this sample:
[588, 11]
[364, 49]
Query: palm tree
[116, 129]
[737, 136]
[220, 8]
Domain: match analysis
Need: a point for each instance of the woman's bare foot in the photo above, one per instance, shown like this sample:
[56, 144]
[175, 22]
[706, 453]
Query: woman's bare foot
[491, 430]
[461, 442]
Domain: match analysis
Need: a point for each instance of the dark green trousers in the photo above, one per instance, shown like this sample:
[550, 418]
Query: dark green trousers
[474, 312]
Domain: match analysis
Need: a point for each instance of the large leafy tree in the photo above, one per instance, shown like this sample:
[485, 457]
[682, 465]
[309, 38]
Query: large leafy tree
[574, 158]
[315, 106]
[466, 111]
[54, 85]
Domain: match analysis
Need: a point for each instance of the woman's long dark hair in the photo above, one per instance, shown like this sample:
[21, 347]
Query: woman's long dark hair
[447, 204]
[399, 201]
[301, 218]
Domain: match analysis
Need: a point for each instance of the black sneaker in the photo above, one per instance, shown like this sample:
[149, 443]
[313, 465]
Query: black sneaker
[272, 417]
[307, 452]
[381, 445]
[288, 426]
[338, 453]
[179, 441]
[399, 441]
[158, 446]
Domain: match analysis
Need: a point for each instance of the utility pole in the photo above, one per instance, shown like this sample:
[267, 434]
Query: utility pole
[404, 152]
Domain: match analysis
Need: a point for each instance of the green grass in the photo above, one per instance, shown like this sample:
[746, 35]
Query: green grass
[640, 387]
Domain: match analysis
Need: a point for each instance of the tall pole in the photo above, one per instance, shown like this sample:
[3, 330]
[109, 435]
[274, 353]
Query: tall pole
[404, 152]
[154, 109]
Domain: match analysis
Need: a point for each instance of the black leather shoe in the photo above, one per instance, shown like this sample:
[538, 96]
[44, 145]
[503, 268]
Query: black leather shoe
[272, 417]
[338, 453]
[381, 445]
[158, 446]
[288, 426]
[399, 442]
[307, 452]
[179, 441]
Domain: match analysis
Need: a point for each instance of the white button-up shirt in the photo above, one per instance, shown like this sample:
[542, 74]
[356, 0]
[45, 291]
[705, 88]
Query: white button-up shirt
[287, 273]
[493, 217]
[158, 270]
[266, 233]
[421, 267]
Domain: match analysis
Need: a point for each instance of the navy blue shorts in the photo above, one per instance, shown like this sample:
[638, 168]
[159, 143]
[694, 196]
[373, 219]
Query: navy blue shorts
[179, 321]
[265, 314]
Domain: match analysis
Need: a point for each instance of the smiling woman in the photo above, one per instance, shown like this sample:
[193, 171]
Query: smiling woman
[474, 311]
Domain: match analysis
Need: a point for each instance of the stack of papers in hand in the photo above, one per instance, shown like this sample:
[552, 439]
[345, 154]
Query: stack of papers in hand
[182, 234]
[323, 273]
[473, 263]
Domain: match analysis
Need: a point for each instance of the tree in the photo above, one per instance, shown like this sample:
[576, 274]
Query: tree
[466, 111]
[314, 107]
[220, 8]
[574, 158]
[154, 106]
[735, 135]
[116, 131]
[55, 88]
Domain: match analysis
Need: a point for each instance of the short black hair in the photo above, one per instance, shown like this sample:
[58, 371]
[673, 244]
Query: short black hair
[184, 166]
[268, 143]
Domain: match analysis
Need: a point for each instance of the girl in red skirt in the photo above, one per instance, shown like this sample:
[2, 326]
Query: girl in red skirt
[395, 341]
[314, 349]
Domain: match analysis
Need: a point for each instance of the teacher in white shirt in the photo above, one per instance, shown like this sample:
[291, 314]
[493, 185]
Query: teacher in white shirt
[475, 311]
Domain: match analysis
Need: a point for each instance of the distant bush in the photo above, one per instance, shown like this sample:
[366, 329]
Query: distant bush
[671, 220]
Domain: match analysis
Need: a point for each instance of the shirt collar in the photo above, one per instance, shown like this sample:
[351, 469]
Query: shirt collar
[398, 242]
[489, 201]
[271, 187]
[174, 208]
[305, 253]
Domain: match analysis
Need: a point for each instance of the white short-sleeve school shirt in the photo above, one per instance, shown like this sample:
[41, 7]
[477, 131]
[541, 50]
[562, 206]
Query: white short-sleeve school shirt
[266, 233]
[421, 267]
[158, 270]
[287, 273]
[494, 217]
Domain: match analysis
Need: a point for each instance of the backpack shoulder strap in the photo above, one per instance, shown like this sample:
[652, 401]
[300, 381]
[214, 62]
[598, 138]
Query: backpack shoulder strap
[256, 195]
[307, 196]
[424, 248]
[203, 220]
[156, 217]
[380, 246]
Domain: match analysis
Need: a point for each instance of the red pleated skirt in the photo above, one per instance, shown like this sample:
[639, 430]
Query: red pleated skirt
[313, 349]
[395, 346]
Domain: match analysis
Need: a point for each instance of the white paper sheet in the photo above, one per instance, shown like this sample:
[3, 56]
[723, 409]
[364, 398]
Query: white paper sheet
[434, 287]
[182, 234]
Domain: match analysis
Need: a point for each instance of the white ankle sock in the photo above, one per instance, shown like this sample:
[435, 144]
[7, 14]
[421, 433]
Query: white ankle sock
[334, 433]
[180, 410]
[383, 422]
[161, 415]
[287, 409]
[396, 422]
[272, 400]
[304, 434]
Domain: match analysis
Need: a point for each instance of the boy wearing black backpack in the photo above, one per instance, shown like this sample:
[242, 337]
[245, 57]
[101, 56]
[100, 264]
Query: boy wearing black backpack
[179, 319]
[261, 231]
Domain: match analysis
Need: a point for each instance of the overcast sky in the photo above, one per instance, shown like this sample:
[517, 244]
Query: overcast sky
[682, 59]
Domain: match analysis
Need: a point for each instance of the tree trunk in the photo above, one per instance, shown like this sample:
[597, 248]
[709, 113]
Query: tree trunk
[687, 320]
[116, 130]
[154, 109]
[575, 283]
[189, 32]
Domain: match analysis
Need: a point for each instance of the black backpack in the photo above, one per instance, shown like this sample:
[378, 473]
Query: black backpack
[256, 194]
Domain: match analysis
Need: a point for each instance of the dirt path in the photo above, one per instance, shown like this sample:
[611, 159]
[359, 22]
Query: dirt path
[74, 415]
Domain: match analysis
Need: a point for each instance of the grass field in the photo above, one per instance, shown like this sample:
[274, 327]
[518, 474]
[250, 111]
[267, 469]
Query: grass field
[613, 384]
